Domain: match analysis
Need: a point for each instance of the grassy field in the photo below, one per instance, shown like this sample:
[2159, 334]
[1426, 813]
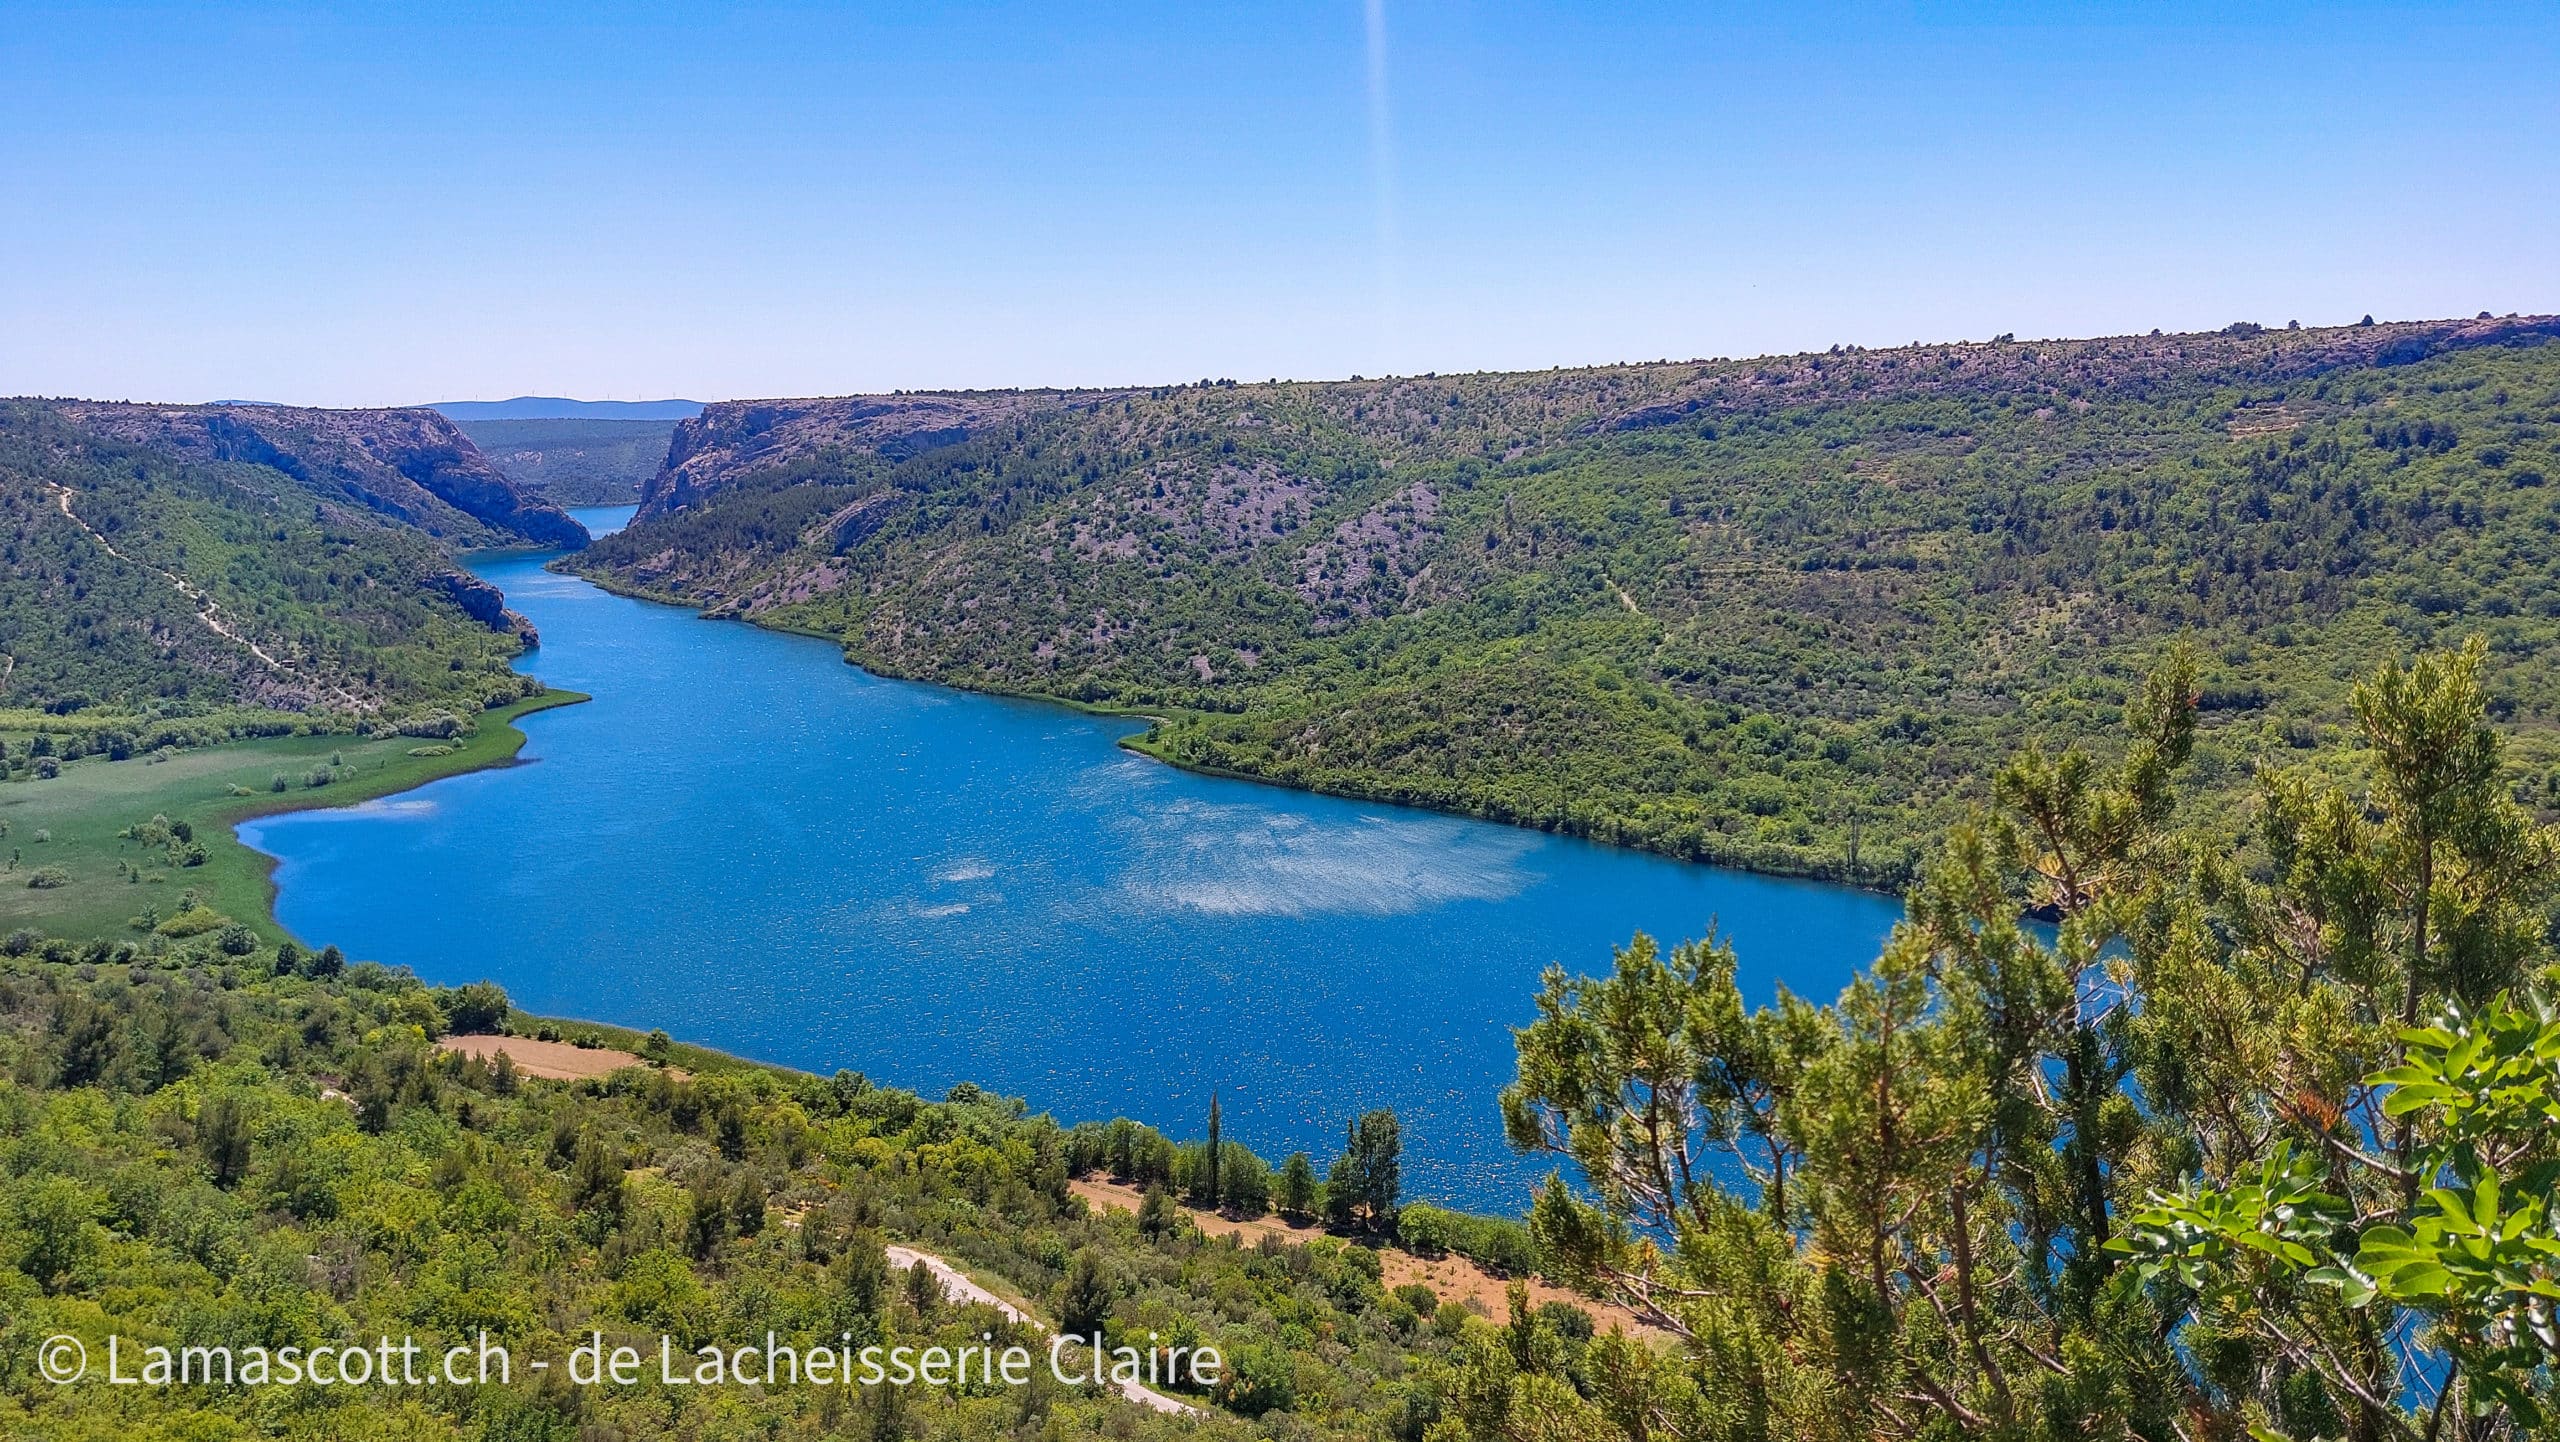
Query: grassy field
[71, 822]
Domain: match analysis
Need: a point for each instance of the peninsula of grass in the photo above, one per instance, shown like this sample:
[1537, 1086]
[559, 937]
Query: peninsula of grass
[71, 872]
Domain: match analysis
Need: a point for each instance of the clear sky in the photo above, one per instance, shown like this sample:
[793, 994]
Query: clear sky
[388, 203]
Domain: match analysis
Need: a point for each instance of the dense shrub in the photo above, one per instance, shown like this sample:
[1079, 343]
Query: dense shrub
[1501, 1243]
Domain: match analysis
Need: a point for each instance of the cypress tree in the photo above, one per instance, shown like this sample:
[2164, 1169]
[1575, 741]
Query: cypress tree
[1209, 1172]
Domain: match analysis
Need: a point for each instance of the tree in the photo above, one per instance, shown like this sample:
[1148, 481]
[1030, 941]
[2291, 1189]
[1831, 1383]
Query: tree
[1260, 1378]
[1366, 1180]
[2362, 1073]
[2205, 1067]
[1210, 1158]
[1244, 1181]
[1297, 1191]
[329, 963]
[57, 1230]
[1084, 1301]
[706, 1223]
[861, 1275]
[1158, 1217]
[374, 1092]
[596, 1182]
[85, 1041]
[924, 1290]
[1930, 1161]
[480, 1007]
[2474, 1263]
[222, 1132]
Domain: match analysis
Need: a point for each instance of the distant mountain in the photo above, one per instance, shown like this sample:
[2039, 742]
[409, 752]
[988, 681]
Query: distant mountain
[559, 408]
[574, 462]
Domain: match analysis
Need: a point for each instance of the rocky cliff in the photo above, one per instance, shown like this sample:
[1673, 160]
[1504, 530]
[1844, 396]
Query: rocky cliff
[738, 438]
[412, 465]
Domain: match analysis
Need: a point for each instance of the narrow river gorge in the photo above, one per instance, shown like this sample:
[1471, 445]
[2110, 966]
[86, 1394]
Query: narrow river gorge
[749, 843]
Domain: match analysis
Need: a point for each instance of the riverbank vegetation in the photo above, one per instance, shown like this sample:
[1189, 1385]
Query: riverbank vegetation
[142, 840]
[2141, 1126]
[1789, 613]
[212, 612]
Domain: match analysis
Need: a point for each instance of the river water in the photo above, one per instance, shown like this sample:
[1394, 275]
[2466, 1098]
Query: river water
[757, 847]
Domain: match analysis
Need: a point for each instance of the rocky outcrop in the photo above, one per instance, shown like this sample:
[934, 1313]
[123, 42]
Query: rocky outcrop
[411, 465]
[734, 439]
[485, 604]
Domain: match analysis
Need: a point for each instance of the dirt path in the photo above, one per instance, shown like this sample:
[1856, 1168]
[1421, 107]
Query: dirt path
[208, 610]
[959, 1288]
[1451, 1278]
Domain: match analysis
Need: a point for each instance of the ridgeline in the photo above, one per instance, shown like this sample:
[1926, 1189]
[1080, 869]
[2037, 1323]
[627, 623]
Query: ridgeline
[1781, 613]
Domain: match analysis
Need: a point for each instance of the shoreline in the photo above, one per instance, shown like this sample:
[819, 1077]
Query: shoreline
[498, 727]
[387, 785]
[1137, 745]
[80, 821]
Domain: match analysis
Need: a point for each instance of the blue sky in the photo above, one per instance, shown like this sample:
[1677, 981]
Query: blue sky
[375, 204]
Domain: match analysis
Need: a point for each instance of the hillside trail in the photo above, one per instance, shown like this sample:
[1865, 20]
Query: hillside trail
[1451, 1277]
[959, 1288]
[207, 609]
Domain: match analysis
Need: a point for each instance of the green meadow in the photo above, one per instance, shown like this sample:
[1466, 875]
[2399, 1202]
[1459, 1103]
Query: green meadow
[79, 829]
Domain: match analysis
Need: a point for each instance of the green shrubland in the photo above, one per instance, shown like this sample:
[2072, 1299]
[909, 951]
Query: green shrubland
[305, 598]
[1788, 614]
[2139, 1127]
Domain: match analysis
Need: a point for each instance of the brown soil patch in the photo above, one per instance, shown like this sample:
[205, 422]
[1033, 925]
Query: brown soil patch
[1123, 1197]
[1451, 1278]
[557, 1060]
[1458, 1279]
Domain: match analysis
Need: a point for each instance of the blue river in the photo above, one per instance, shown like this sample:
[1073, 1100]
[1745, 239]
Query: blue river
[759, 848]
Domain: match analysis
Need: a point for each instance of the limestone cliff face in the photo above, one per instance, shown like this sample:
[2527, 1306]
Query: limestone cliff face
[485, 604]
[738, 438]
[412, 465]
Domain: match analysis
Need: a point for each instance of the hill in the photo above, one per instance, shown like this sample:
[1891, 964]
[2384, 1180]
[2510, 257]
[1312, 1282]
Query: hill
[574, 462]
[1775, 612]
[218, 1142]
[171, 561]
[412, 466]
[2115, 1140]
